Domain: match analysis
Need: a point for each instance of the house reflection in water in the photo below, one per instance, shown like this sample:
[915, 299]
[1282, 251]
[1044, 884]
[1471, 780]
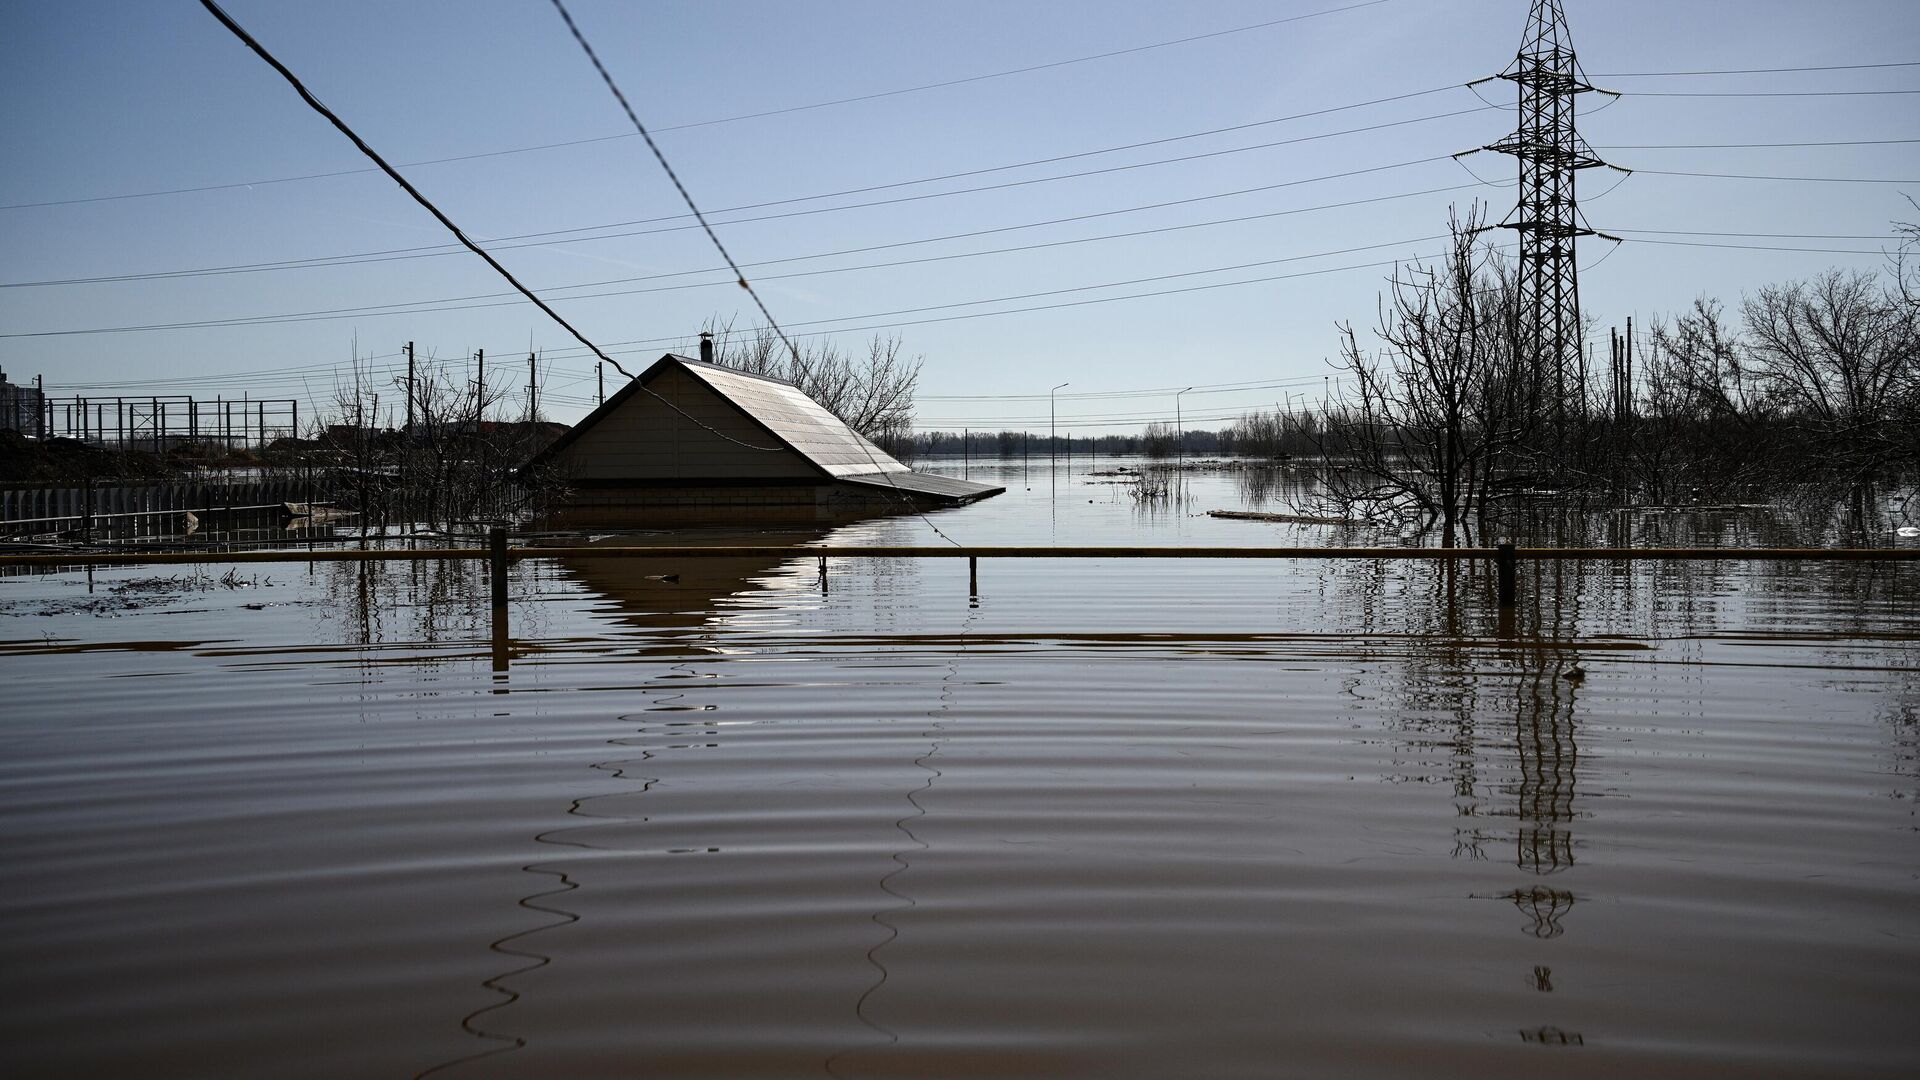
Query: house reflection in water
[663, 595]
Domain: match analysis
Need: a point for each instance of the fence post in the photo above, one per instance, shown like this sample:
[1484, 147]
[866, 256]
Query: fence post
[497, 566]
[1506, 563]
[973, 576]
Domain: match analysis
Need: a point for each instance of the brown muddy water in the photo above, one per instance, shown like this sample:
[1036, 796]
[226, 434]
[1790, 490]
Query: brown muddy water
[1104, 819]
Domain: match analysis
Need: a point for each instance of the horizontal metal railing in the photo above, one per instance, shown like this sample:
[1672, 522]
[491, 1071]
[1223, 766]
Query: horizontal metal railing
[1504, 558]
[895, 551]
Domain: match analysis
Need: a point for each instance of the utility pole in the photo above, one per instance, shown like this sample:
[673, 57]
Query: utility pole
[1179, 431]
[409, 389]
[1547, 215]
[600, 379]
[533, 389]
[480, 386]
[1052, 436]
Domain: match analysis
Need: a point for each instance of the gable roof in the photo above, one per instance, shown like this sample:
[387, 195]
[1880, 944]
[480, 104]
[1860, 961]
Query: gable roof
[796, 420]
[777, 407]
[790, 419]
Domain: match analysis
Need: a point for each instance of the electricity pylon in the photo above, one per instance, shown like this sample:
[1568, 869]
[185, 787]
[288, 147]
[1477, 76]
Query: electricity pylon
[1547, 214]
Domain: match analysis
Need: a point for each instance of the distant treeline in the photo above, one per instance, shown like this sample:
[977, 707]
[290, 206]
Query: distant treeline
[1257, 434]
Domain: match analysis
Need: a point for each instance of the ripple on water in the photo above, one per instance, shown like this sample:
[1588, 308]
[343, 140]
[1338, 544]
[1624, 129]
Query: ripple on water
[1099, 820]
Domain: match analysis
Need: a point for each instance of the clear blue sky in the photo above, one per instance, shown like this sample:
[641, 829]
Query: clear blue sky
[105, 99]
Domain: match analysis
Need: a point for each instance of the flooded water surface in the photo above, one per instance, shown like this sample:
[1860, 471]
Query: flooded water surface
[1095, 819]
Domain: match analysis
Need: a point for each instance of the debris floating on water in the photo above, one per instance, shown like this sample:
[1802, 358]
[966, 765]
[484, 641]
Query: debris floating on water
[1291, 519]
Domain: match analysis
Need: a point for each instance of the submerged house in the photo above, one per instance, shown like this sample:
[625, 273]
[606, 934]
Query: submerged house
[688, 442]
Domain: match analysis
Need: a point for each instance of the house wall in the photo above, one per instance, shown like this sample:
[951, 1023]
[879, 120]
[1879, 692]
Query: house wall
[641, 505]
[643, 439]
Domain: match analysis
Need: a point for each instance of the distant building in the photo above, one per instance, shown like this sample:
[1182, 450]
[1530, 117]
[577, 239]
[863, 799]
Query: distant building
[22, 409]
[689, 442]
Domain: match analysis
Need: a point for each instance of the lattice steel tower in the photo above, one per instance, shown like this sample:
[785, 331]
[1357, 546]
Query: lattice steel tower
[1547, 216]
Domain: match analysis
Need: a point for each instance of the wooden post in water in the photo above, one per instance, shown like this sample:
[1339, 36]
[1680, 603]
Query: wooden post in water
[497, 568]
[973, 576]
[1506, 564]
[823, 575]
[497, 580]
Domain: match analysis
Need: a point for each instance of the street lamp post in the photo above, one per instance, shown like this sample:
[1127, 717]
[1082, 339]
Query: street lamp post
[1179, 432]
[1052, 450]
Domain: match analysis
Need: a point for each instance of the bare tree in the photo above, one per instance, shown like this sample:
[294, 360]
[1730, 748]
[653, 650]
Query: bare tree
[1702, 416]
[1905, 260]
[1418, 428]
[1837, 356]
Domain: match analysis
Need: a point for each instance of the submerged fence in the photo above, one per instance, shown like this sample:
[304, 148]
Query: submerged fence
[76, 507]
[1504, 558]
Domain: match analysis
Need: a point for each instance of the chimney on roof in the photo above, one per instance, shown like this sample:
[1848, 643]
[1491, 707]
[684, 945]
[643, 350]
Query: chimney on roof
[706, 347]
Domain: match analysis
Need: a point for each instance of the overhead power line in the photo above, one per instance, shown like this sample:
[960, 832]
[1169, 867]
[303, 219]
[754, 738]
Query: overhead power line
[341, 125]
[504, 243]
[361, 144]
[641, 345]
[1758, 247]
[568, 143]
[739, 276]
[1753, 145]
[1764, 93]
[1756, 176]
[702, 123]
[367, 313]
[1025, 70]
[460, 303]
[272, 373]
[1752, 71]
[1762, 235]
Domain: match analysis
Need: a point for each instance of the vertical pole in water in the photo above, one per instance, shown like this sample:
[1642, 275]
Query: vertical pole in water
[1506, 563]
[497, 568]
[966, 450]
[823, 575]
[973, 576]
[497, 580]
